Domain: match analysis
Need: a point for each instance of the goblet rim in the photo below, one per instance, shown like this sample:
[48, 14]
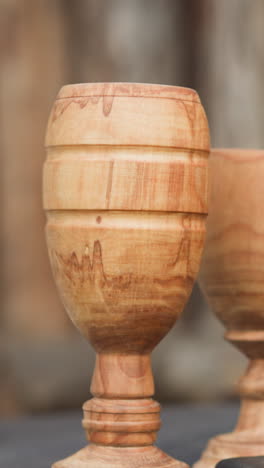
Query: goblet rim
[128, 89]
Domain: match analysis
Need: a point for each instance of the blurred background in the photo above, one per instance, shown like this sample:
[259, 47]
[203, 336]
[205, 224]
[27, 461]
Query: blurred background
[212, 46]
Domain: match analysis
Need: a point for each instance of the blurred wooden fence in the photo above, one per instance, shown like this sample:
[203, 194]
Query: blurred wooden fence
[215, 47]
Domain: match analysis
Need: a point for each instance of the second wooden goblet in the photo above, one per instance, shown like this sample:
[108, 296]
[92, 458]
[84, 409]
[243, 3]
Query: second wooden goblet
[125, 191]
[232, 276]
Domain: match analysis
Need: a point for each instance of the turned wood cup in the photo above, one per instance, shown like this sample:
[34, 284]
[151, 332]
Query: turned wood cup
[232, 277]
[125, 193]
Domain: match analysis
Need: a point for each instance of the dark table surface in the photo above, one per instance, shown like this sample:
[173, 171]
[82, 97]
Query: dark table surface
[38, 441]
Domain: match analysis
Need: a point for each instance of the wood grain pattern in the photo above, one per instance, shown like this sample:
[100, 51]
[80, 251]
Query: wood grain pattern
[125, 191]
[159, 117]
[156, 179]
[232, 277]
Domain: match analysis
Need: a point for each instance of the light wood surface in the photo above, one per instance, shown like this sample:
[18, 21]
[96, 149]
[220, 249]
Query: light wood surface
[232, 277]
[125, 191]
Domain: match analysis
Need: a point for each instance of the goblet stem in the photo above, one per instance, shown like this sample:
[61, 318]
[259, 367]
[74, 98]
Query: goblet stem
[122, 376]
[251, 390]
[122, 412]
[122, 420]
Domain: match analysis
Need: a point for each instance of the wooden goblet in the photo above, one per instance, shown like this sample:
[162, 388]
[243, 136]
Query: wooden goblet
[125, 192]
[232, 277]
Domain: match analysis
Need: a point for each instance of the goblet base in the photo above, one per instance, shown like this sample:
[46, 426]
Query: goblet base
[231, 445]
[95, 456]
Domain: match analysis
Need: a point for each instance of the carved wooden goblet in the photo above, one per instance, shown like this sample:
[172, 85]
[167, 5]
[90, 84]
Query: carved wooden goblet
[232, 276]
[125, 192]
